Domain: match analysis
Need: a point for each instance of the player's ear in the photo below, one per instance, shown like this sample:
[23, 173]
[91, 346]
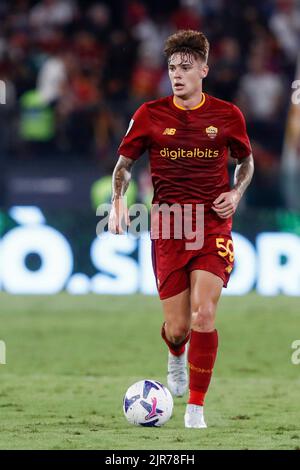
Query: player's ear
[204, 70]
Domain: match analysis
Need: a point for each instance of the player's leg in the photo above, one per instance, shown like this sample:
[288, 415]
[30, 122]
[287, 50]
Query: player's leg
[177, 319]
[176, 332]
[174, 291]
[206, 289]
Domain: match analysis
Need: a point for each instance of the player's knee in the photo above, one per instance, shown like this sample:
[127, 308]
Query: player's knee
[178, 333]
[203, 318]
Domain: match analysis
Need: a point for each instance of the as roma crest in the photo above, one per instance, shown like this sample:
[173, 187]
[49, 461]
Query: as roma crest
[212, 132]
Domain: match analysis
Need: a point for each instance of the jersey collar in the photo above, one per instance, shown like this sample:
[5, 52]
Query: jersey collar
[191, 109]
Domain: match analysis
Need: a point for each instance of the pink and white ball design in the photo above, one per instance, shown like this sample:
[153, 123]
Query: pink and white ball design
[148, 403]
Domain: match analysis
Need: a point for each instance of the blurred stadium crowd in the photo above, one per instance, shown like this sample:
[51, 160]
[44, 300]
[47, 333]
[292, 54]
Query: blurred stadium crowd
[75, 71]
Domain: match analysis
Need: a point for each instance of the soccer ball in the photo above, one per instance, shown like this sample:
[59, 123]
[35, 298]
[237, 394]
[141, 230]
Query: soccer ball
[148, 403]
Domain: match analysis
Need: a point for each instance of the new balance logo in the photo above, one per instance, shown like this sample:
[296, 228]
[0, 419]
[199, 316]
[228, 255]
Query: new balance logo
[169, 131]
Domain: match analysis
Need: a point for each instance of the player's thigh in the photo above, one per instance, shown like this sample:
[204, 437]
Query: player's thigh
[206, 290]
[177, 311]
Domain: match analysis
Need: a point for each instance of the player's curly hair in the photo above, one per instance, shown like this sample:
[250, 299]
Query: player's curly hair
[187, 41]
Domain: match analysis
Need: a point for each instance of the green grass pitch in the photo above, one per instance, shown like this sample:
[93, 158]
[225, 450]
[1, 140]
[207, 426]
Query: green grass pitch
[71, 359]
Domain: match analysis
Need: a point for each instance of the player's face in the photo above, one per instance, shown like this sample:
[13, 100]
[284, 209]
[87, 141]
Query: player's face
[186, 74]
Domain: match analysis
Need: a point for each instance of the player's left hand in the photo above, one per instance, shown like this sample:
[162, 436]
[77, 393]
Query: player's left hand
[226, 203]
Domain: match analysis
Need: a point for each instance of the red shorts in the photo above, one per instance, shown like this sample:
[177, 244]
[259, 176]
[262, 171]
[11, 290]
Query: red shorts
[172, 263]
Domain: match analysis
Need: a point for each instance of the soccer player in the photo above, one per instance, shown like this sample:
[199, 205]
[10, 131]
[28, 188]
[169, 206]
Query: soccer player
[189, 137]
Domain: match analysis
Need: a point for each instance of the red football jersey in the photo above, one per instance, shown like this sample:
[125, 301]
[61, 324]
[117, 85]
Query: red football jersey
[188, 149]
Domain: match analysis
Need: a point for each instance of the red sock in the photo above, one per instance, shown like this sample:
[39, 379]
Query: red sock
[202, 355]
[175, 349]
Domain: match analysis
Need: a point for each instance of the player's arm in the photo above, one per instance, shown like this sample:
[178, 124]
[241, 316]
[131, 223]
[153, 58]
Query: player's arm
[118, 217]
[243, 175]
[134, 144]
[226, 203]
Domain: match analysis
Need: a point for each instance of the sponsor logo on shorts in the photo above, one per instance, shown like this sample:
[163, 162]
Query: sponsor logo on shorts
[193, 153]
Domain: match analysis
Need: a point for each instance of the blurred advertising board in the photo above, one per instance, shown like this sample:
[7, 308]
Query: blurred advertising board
[46, 252]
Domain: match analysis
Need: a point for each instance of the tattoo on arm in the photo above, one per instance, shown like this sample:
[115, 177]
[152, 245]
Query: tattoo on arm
[243, 174]
[121, 177]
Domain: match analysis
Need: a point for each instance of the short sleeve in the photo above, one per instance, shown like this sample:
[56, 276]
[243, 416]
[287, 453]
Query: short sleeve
[238, 140]
[136, 139]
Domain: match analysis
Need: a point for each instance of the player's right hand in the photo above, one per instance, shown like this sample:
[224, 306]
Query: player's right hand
[119, 220]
